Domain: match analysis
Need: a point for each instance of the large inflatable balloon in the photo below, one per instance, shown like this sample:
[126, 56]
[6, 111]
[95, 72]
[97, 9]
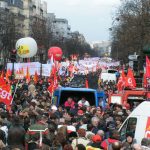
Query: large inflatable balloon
[56, 52]
[26, 47]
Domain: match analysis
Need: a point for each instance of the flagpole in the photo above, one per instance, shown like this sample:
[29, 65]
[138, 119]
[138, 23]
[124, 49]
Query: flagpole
[14, 92]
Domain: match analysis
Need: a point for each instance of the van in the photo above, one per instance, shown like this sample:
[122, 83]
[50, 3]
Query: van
[137, 123]
[109, 75]
[94, 97]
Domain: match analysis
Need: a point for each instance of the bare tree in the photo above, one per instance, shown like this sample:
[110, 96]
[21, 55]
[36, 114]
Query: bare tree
[7, 34]
[132, 32]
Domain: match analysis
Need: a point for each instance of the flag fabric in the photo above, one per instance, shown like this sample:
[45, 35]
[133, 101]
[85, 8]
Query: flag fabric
[130, 80]
[7, 76]
[9, 72]
[53, 80]
[2, 81]
[35, 78]
[28, 75]
[121, 81]
[2, 74]
[5, 94]
[147, 67]
[86, 83]
[145, 81]
[74, 57]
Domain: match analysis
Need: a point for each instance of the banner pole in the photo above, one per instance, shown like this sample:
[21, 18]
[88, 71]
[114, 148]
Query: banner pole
[14, 92]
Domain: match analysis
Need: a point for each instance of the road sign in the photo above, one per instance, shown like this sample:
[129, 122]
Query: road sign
[133, 57]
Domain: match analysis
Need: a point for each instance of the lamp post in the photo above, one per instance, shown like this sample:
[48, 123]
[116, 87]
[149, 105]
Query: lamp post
[111, 29]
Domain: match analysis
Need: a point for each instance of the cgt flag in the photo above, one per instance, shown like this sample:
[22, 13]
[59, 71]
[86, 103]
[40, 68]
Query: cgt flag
[121, 82]
[5, 95]
[130, 80]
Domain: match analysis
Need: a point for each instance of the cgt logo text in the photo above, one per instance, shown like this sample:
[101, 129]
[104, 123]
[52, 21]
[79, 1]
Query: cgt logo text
[4, 94]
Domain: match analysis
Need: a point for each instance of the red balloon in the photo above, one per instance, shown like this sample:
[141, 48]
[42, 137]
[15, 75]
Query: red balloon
[56, 52]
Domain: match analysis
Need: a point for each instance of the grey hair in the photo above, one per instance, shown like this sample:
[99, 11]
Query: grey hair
[95, 119]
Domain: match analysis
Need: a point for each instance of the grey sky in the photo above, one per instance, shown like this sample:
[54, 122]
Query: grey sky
[92, 18]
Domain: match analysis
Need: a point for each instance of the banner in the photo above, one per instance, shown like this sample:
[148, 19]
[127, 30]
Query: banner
[46, 70]
[89, 64]
[147, 130]
[5, 94]
[33, 67]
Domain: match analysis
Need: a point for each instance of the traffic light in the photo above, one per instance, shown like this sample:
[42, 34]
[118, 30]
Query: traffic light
[135, 66]
[13, 56]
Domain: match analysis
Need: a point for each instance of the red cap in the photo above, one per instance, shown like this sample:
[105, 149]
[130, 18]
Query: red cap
[80, 112]
[96, 138]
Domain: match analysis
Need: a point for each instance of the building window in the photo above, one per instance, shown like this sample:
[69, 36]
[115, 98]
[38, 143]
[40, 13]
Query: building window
[12, 1]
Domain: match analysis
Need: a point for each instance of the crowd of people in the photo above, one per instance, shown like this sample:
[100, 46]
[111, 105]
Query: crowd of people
[34, 122]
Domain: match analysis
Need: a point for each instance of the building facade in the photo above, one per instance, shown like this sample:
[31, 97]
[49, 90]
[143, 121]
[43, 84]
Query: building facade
[61, 28]
[102, 47]
[11, 26]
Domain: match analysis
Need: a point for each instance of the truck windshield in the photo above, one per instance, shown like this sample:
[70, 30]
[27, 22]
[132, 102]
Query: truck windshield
[128, 127]
[77, 95]
[112, 71]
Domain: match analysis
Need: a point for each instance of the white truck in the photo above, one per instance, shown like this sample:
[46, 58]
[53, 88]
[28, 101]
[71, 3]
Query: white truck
[109, 75]
[137, 123]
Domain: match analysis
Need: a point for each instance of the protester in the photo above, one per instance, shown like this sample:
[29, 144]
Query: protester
[37, 122]
[81, 139]
[69, 103]
[83, 102]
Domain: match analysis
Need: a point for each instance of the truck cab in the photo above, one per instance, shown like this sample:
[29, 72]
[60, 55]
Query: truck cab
[94, 97]
[128, 96]
[137, 123]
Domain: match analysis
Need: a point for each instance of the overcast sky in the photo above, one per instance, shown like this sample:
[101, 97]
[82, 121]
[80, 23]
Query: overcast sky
[92, 18]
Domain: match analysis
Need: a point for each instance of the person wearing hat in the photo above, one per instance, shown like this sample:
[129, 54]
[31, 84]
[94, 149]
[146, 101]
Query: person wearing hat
[96, 142]
[130, 141]
[81, 139]
[54, 111]
[113, 137]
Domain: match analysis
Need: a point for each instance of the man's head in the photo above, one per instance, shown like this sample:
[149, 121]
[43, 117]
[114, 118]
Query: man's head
[81, 132]
[116, 145]
[83, 99]
[69, 99]
[53, 108]
[114, 134]
[95, 121]
[101, 133]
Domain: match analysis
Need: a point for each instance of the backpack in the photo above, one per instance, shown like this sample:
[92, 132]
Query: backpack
[109, 145]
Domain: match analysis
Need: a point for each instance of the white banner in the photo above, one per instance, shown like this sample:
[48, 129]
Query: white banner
[80, 67]
[46, 69]
[33, 67]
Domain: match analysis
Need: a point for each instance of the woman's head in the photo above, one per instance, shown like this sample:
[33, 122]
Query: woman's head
[129, 137]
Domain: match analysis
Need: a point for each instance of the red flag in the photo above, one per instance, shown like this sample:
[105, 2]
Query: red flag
[28, 75]
[51, 88]
[7, 76]
[145, 81]
[53, 79]
[2, 81]
[86, 83]
[35, 78]
[2, 74]
[147, 67]
[121, 81]
[5, 94]
[130, 80]
[9, 72]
